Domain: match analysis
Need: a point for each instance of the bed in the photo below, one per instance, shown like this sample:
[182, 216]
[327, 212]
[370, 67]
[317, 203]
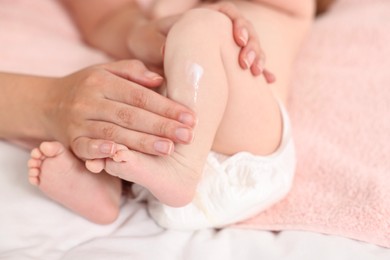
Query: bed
[338, 208]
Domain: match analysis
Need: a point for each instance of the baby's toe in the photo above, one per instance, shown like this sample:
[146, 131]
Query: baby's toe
[33, 176]
[123, 156]
[95, 166]
[34, 163]
[51, 149]
[36, 154]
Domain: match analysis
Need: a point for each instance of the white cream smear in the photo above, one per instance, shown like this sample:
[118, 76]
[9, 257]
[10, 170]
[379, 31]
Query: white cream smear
[194, 73]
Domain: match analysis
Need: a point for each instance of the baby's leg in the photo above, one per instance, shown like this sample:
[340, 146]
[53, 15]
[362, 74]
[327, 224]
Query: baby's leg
[235, 112]
[63, 178]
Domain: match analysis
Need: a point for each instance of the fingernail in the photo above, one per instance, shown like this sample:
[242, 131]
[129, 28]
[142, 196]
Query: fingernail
[260, 66]
[107, 148]
[270, 77]
[187, 119]
[163, 147]
[244, 36]
[184, 135]
[153, 76]
[250, 57]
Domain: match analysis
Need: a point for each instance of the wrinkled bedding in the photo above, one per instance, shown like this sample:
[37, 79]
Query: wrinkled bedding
[34, 228]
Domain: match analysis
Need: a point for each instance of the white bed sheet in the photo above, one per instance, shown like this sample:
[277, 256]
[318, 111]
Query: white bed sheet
[34, 227]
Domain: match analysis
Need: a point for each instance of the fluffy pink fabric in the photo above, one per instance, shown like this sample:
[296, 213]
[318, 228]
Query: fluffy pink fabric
[339, 107]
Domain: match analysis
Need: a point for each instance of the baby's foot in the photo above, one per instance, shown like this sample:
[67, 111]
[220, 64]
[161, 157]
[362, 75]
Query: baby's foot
[171, 179]
[63, 178]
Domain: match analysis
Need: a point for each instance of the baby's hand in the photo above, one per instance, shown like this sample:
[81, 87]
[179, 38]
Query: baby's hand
[146, 40]
[164, 8]
[251, 55]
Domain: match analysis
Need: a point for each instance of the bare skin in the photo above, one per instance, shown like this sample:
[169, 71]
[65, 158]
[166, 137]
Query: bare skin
[221, 104]
[57, 173]
[220, 129]
[84, 112]
[173, 179]
[124, 30]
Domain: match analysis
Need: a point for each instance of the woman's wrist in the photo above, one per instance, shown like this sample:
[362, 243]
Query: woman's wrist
[39, 106]
[23, 106]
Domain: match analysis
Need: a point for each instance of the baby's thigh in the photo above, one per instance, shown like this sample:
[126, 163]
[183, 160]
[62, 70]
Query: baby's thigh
[252, 120]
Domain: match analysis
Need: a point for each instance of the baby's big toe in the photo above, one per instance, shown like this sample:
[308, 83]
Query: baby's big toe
[51, 149]
[95, 166]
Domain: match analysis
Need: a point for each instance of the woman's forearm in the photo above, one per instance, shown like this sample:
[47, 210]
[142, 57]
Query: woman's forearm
[22, 106]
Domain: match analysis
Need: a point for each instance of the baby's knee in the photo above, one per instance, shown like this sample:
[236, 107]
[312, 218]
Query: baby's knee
[205, 23]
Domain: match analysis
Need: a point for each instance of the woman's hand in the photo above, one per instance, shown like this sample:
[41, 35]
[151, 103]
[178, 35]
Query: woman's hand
[251, 55]
[146, 40]
[107, 102]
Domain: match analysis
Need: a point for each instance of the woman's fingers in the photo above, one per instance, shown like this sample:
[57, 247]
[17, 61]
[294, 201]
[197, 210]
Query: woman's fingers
[131, 94]
[87, 148]
[98, 145]
[129, 114]
[251, 55]
[134, 71]
[104, 102]
[241, 32]
[141, 120]
[269, 76]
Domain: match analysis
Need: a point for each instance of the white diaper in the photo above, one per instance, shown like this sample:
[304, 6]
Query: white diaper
[232, 188]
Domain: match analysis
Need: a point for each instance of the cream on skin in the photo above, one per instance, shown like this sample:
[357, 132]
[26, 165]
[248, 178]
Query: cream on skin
[194, 73]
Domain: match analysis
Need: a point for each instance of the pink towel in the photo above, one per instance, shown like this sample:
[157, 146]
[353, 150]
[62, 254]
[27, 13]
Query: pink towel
[340, 107]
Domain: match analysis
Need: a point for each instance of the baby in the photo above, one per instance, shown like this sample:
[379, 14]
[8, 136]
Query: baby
[241, 159]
